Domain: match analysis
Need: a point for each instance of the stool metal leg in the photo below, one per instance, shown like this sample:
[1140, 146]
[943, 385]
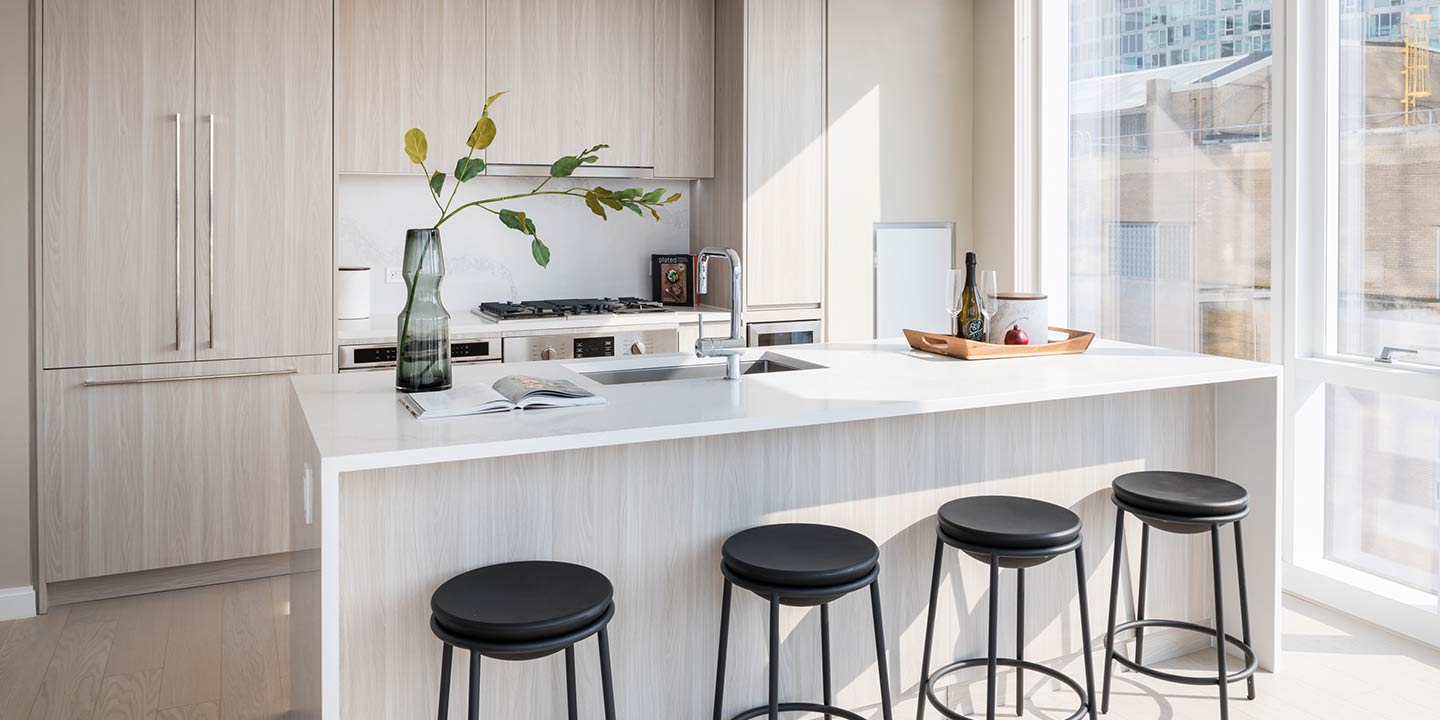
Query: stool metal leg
[607, 683]
[880, 658]
[446, 658]
[774, 657]
[720, 656]
[1140, 605]
[1085, 633]
[570, 703]
[1114, 599]
[1020, 641]
[825, 653]
[929, 629]
[1219, 623]
[1244, 603]
[474, 686]
[994, 613]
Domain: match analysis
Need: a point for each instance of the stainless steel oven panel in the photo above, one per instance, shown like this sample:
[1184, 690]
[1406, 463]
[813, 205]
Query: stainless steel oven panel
[560, 345]
[795, 332]
[382, 355]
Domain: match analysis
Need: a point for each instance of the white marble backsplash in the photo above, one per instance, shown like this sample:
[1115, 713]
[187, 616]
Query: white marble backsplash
[486, 261]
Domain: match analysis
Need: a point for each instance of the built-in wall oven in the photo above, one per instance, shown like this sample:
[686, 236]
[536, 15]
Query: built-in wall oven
[567, 344]
[377, 356]
[795, 332]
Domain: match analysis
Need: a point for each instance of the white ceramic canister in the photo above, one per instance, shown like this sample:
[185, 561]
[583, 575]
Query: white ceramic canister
[352, 293]
[1031, 311]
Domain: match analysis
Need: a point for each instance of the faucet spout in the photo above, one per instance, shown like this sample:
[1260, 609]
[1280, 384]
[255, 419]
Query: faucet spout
[733, 347]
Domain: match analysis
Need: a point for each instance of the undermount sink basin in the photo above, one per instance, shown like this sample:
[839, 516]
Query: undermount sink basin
[767, 363]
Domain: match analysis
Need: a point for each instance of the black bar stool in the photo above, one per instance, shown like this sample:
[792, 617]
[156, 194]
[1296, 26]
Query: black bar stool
[1184, 503]
[523, 611]
[800, 565]
[1010, 532]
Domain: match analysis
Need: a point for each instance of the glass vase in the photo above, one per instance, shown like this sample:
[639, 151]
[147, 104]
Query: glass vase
[422, 357]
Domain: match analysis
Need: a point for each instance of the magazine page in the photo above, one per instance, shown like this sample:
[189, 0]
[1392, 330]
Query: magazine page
[455, 402]
[528, 391]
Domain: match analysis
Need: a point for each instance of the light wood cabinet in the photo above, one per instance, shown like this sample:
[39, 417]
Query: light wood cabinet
[264, 180]
[117, 112]
[767, 198]
[154, 466]
[685, 88]
[578, 72]
[403, 64]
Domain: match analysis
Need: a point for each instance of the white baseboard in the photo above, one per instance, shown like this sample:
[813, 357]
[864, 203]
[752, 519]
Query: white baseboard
[17, 603]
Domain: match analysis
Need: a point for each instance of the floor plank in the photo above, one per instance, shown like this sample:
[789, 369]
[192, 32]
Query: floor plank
[250, 664]
[132, 696]
[192, 652]
[72, 681]
[142, 633]
[5, 626]
[24, 657]
[199, 711]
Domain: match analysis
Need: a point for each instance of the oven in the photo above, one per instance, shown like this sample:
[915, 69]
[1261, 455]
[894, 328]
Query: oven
[378, 356]
[795, 332]
[569, 344]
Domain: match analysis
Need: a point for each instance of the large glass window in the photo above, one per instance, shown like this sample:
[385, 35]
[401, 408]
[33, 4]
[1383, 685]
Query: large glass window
[1170, 186]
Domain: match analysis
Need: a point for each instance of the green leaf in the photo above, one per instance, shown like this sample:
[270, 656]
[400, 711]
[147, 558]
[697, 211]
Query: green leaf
[468, 168]
[672, 198]
[483, 134]
[654, 214]
[628, 194]
[437, 181]
[600, 191]
[513, 220]
[632, 207]
[540, 252]
[589, 159]
[565, 166]
[611, 203]
[593, 202]
[653, 196]
[597, 148]
[491, 100]
[415, 145]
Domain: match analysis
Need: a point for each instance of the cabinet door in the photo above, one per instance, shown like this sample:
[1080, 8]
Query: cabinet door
[578, 73]
[785, 152]
[117, 113]
[153, 466]
[264, 178]
[685, 88]
[403, 64]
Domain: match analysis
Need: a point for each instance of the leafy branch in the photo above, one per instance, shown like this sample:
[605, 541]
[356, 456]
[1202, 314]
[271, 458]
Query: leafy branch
[467, 168]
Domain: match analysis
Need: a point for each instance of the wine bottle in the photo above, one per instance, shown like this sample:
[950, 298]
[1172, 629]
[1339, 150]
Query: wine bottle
[970, 324]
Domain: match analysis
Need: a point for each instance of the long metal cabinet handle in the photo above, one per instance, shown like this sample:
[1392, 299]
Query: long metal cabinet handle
[210, 212]
[177, 232]
[221, 376]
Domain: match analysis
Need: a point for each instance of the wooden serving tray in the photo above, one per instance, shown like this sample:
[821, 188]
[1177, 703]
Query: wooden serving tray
[1076, 341]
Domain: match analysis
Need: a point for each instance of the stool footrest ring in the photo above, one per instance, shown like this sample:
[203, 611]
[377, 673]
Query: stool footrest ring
[1003, 662]
[1251, 663]
[790, 707]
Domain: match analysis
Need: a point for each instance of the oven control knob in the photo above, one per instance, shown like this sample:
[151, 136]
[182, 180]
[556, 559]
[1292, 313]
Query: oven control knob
[547, 354]
[637, 349]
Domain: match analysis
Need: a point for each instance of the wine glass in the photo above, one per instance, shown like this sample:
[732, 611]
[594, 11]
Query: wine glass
[989, 297]
[954, 295]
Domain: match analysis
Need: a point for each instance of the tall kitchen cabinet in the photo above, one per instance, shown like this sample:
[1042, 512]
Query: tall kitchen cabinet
[767, 199]
[184, 263]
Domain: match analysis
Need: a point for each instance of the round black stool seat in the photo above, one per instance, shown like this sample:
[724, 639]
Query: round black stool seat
[1180, 494]
[1005, 522]
[521, 601]
[800, 555]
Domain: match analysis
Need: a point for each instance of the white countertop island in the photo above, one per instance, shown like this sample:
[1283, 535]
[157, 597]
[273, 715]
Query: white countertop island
[648, 486]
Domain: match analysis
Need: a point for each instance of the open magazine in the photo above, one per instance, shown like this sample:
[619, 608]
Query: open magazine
[512, 392]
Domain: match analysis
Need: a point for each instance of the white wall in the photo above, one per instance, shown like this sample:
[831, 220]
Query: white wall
[900, 96]
[993, 224]
[486, 261]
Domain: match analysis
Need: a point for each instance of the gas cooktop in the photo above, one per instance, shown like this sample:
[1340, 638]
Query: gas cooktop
[534, 309]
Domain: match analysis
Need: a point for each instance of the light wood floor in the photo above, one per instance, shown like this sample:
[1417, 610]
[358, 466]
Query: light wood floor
[220, 652]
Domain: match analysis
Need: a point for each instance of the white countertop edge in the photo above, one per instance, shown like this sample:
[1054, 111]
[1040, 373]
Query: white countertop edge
[629, 436]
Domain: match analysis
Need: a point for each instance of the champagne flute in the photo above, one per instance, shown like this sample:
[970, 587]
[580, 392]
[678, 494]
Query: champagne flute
[989, 299]
[954, 294]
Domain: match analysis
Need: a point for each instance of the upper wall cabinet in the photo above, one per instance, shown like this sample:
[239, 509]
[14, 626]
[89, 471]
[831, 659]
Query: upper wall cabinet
[685, 88]
[578, 72]
[404, 64]
[117, 112]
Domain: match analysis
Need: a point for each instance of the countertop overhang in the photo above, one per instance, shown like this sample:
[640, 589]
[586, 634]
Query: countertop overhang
[357, 422]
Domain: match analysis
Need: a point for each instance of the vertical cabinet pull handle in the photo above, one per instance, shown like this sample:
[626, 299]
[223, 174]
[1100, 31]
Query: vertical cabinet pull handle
[210, 212]
[177, 232]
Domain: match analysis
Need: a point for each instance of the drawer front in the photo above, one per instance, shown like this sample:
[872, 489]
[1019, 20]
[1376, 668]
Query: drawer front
[153, 466]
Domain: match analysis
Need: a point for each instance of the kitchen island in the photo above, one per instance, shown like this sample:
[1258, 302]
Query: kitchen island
[646, 488]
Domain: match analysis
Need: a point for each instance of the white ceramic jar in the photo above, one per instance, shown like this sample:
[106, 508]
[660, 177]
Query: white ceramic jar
[1031, 311]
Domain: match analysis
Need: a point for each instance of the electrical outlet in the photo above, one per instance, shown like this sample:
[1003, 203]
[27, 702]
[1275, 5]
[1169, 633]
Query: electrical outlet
[392, 276]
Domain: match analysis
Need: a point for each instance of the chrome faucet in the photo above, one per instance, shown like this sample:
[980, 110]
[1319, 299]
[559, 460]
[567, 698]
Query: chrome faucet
[733, 347]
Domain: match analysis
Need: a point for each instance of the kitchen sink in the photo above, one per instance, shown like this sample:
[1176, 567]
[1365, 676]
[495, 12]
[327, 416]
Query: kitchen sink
[765, 364]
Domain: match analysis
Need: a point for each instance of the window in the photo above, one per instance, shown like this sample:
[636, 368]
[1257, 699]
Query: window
[1259, 20]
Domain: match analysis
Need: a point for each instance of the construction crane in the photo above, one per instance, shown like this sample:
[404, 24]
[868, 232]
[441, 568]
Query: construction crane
[1417, 65]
